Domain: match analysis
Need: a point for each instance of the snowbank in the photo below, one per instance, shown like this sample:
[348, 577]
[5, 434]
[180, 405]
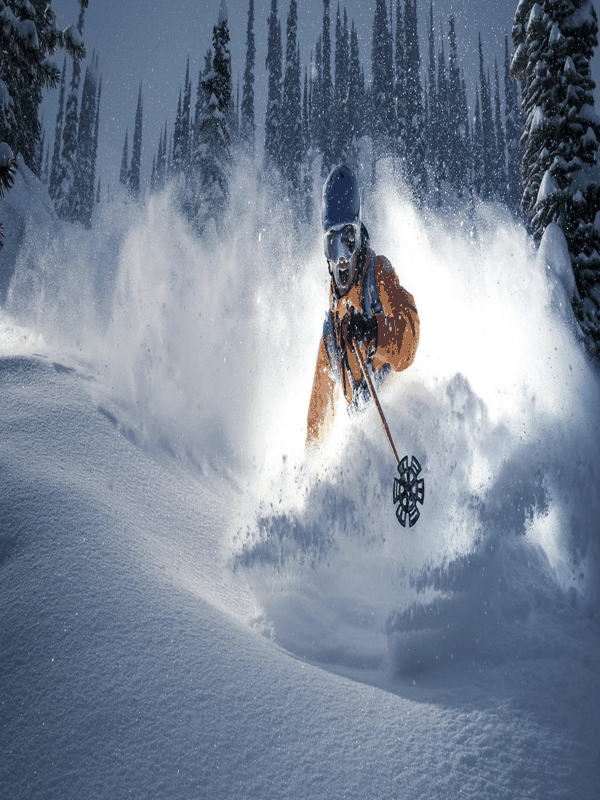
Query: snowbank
[189, 606]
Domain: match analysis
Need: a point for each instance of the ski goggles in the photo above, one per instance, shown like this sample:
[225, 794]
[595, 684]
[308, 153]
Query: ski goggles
[341, 242]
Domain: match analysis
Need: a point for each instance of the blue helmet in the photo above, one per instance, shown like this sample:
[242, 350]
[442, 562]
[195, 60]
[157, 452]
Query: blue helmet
[340, 216]
[341, 199]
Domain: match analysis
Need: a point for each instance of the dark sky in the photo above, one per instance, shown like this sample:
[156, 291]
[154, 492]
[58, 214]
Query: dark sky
[149, 41]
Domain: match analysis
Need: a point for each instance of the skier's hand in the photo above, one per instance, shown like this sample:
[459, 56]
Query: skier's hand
[358, 327]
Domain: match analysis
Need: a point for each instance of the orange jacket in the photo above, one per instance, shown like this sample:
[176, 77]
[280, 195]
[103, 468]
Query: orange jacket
[397, 341]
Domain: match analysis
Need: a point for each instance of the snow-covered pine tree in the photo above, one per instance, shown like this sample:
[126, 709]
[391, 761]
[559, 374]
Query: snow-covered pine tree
[292, 154]
[55, 167]
[382, 72]
[193, 196]
[63, 202]
[28, 38]
[458, 122]
[247, 123]
[96, 131]
[186, 109]
[124, 171]
[442, 174]
[212, 155]
[7, 177]
[500, 174]
[161, 161]
[477, 181]
[555, 41]
[315, 105]
[177, 155]
[356, 103]
[327, 132]
[432, 110]
[488, 142]
[305, 114]
[342, 135]
[416, 146]
[273, 116]
[399, 81]
[82, 198]
[514, 126]
[133, 178]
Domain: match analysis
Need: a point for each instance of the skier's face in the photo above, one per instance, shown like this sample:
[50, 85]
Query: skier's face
[341, 249]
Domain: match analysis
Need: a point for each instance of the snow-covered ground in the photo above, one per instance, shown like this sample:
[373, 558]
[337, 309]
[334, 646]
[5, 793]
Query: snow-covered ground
[191, 608]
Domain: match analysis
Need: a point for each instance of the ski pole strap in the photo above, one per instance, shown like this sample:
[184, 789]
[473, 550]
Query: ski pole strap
[330, 346]
[371, 301]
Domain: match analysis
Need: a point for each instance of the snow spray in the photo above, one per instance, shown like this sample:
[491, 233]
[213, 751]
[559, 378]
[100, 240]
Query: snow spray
[203, 348]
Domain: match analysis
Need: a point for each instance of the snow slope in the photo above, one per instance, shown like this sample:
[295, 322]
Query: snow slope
[189, 608]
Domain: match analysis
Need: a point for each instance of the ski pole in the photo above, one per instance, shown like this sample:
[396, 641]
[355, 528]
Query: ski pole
[409, 489]
[369, 380]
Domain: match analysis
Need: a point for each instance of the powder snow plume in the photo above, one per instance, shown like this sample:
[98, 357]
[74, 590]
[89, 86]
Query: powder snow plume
[203, 349]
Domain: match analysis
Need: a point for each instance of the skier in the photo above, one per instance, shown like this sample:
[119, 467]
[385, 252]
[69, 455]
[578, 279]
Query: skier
[367, 308]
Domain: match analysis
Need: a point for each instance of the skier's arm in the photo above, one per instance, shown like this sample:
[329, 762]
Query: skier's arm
[321, 409]
[398, 326]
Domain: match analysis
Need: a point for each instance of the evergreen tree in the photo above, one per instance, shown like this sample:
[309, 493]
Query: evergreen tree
[458, 118]
[55, 168]
[124, 171]
[477, 162]
[514, 126]
[186, 119]
[342, 137]
[325, 112]
[305, 115]
[178, 135]
[555, 41]
[248, 126]
[7, 177]
[153, 176]
[28, 37]
[66, 178]
[133, 177]
[273, 118]
[96, 133]
[161, 161]
[400, 81]
[82, 198]
[488, 144]
[316, 105]
[382, 82]
[291, 112]
[432, 115]
[500, 176]
[416, 148]
[442, 175]
[200, 113]
[356, 98]
[212, 152]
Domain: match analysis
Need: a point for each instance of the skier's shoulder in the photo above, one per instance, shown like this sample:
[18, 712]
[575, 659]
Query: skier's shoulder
[383, 270]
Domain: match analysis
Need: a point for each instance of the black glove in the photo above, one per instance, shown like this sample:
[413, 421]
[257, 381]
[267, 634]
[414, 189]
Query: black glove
[358, 327]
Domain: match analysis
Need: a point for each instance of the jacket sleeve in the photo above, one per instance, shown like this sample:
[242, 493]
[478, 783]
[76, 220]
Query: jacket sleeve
[321, 409]
[398, 326]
